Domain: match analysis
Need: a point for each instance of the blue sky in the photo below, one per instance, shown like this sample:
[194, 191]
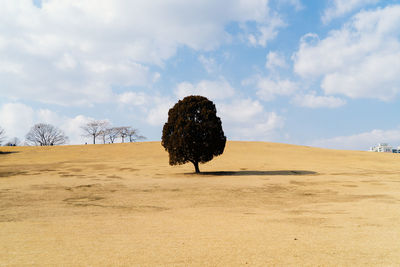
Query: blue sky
[322, 73]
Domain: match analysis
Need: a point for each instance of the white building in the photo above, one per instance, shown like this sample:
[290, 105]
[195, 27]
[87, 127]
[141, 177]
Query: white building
[382, 147]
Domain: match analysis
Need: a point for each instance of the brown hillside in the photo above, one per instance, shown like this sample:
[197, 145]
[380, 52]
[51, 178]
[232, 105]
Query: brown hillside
[258, 204]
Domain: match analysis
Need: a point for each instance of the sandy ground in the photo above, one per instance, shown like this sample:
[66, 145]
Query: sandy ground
[259, 204]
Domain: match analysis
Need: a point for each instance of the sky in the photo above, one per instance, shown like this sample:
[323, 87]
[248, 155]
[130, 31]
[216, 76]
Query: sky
[322, 73]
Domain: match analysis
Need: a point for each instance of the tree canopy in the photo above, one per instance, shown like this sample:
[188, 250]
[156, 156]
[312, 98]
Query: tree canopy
[95, 128]
[193, 132]
[43, 134]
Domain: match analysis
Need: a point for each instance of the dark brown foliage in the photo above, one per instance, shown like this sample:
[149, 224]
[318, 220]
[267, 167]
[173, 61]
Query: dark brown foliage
[193, 132]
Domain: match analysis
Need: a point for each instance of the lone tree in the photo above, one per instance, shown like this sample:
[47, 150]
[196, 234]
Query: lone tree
[95, 128]
[193, 132]
[42, 134]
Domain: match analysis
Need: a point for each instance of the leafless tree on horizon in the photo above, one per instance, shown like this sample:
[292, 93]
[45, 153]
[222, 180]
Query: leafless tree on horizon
[133, 135]
[2, 135]
[123, 132]
[112, 133]
[103, 135]
[95, 128]
[43, 134]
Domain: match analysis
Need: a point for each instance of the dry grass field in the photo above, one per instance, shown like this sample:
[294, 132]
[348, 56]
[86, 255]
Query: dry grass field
[259, 204]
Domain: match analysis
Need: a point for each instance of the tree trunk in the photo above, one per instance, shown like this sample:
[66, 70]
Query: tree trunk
[196, 166]
[94, 139]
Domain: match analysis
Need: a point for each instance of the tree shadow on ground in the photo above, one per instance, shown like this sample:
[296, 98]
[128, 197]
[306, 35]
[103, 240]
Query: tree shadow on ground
[257, 173]
[8, 152]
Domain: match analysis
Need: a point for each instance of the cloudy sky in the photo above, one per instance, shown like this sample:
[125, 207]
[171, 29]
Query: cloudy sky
[323, 73]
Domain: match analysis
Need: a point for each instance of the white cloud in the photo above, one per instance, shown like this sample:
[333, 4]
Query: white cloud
[268, 88]
[275, 60]
[265, 130]
[311, 100]
[74, 52]
[209, 63]
[295, 3]
[266, 32]
[246, 119]
[240, 111]
[72, 128]
[133, 98]
[156, 77]
[17, 119]
[47, 116]
[361, 141]
[214, 90]
[339, 8]
[361, 60]
[157, 115]
[151, 109]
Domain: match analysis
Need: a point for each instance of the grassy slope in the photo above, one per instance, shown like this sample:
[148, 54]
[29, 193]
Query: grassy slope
[260, 203]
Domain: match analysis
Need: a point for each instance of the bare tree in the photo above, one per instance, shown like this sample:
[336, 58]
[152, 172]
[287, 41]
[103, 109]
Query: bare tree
[103, 135]
[42, 134]
[2, 135]
[112, 133]
[133, 135]
[123, 132]
[95, 128]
